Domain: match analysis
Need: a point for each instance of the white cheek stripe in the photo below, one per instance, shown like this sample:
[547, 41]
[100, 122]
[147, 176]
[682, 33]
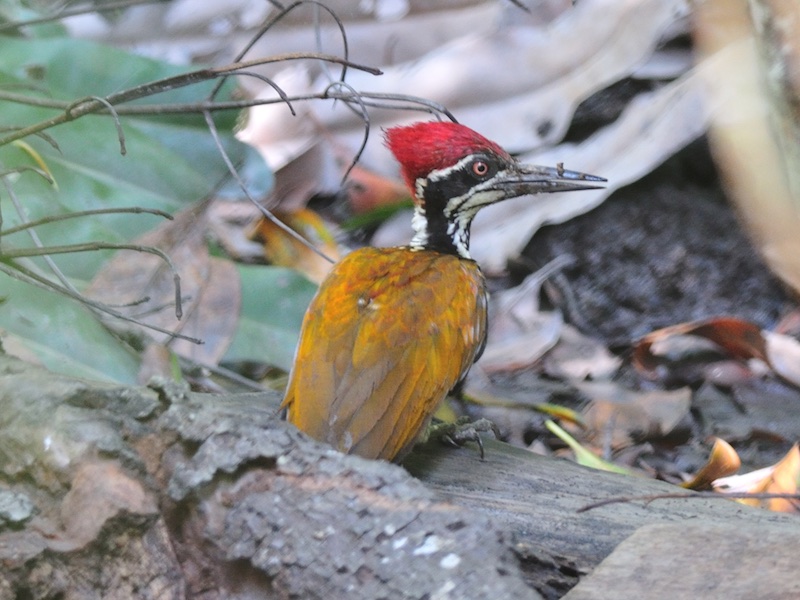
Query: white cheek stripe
[445, 173]
[473, 200]
[419, 223]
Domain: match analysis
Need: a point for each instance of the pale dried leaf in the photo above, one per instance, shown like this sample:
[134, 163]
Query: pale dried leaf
[653, 127]
[507, 82]
[578, 357]
[783, 353]
[615, 416]
[519, 334]
[270, 128]
[754, 134]
[780, 478]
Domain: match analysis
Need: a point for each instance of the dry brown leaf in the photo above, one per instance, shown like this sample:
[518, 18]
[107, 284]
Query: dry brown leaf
[738, 338]
[522, 348]
[519, 334]
[214, 315]
[578, 357]
[156, 361]
[616, 416]
[210, 288]
[722, 462]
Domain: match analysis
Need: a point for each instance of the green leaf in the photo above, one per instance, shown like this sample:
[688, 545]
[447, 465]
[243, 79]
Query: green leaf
[582, 455]
[274, 300]
[171, 162]
[63, 334]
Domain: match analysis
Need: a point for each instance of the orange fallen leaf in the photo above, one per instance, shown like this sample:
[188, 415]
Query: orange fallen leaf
[367, 190]
[781, 478]
[722, 462]
[617, 416]
[286, 251]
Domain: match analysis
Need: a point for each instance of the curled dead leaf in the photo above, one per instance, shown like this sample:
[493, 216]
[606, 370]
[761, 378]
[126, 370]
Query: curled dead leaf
[738, 338]
[723, 461]
[783, 353]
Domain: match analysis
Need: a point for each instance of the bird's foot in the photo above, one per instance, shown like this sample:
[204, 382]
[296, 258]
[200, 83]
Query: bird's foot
[462, 431]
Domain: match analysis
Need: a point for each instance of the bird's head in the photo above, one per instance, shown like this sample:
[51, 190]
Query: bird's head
[453, 172]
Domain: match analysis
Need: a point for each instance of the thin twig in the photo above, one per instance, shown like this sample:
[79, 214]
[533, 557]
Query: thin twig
[384, 102]
[690, 496]
[112, 111]
[90, 8]
[35, 238]
[362, 113]
[90, 105]
[43, 174]
[276, 19]
[212, 126]
[86, 213]
[17, 271]
[93, 246]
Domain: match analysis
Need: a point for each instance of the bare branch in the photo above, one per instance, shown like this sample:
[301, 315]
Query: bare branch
[111, 110]
[94, 246]
[17, 271]
[690, 496]
[84, 213]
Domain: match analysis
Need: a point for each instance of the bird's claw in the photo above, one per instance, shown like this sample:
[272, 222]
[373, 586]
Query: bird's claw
[465, 430]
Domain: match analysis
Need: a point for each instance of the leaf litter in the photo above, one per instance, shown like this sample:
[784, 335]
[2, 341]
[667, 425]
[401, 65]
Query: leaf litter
[629, 401]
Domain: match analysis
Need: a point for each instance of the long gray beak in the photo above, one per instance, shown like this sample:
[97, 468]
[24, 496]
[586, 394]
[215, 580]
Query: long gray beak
[532, 179]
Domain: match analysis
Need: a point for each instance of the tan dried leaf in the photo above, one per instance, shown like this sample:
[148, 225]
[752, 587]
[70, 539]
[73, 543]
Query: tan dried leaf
[722, 462]
[616, 416]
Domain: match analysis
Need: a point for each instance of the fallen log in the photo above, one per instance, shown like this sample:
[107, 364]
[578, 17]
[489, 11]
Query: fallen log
[128, 492]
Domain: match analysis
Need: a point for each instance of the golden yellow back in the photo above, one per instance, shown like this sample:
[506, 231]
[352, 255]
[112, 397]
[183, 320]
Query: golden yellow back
[387, 335]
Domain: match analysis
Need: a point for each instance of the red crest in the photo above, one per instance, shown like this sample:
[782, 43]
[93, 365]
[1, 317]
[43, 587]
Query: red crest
[429, 146]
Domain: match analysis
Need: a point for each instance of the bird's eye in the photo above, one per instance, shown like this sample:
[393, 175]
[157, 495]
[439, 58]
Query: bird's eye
[480, 168]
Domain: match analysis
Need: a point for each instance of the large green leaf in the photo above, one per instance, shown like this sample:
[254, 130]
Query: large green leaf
[63, 334]
[171, 161]
[274, 300]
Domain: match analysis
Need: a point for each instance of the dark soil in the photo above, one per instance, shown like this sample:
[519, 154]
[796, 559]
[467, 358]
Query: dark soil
[664, 250]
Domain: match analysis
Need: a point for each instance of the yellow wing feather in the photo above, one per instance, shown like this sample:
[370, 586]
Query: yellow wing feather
[388, 334]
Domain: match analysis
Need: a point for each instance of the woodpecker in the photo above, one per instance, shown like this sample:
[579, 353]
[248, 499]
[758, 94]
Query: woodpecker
[392, 330]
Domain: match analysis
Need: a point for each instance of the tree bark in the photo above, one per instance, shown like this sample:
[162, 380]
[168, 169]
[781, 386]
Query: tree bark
[122, 492]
